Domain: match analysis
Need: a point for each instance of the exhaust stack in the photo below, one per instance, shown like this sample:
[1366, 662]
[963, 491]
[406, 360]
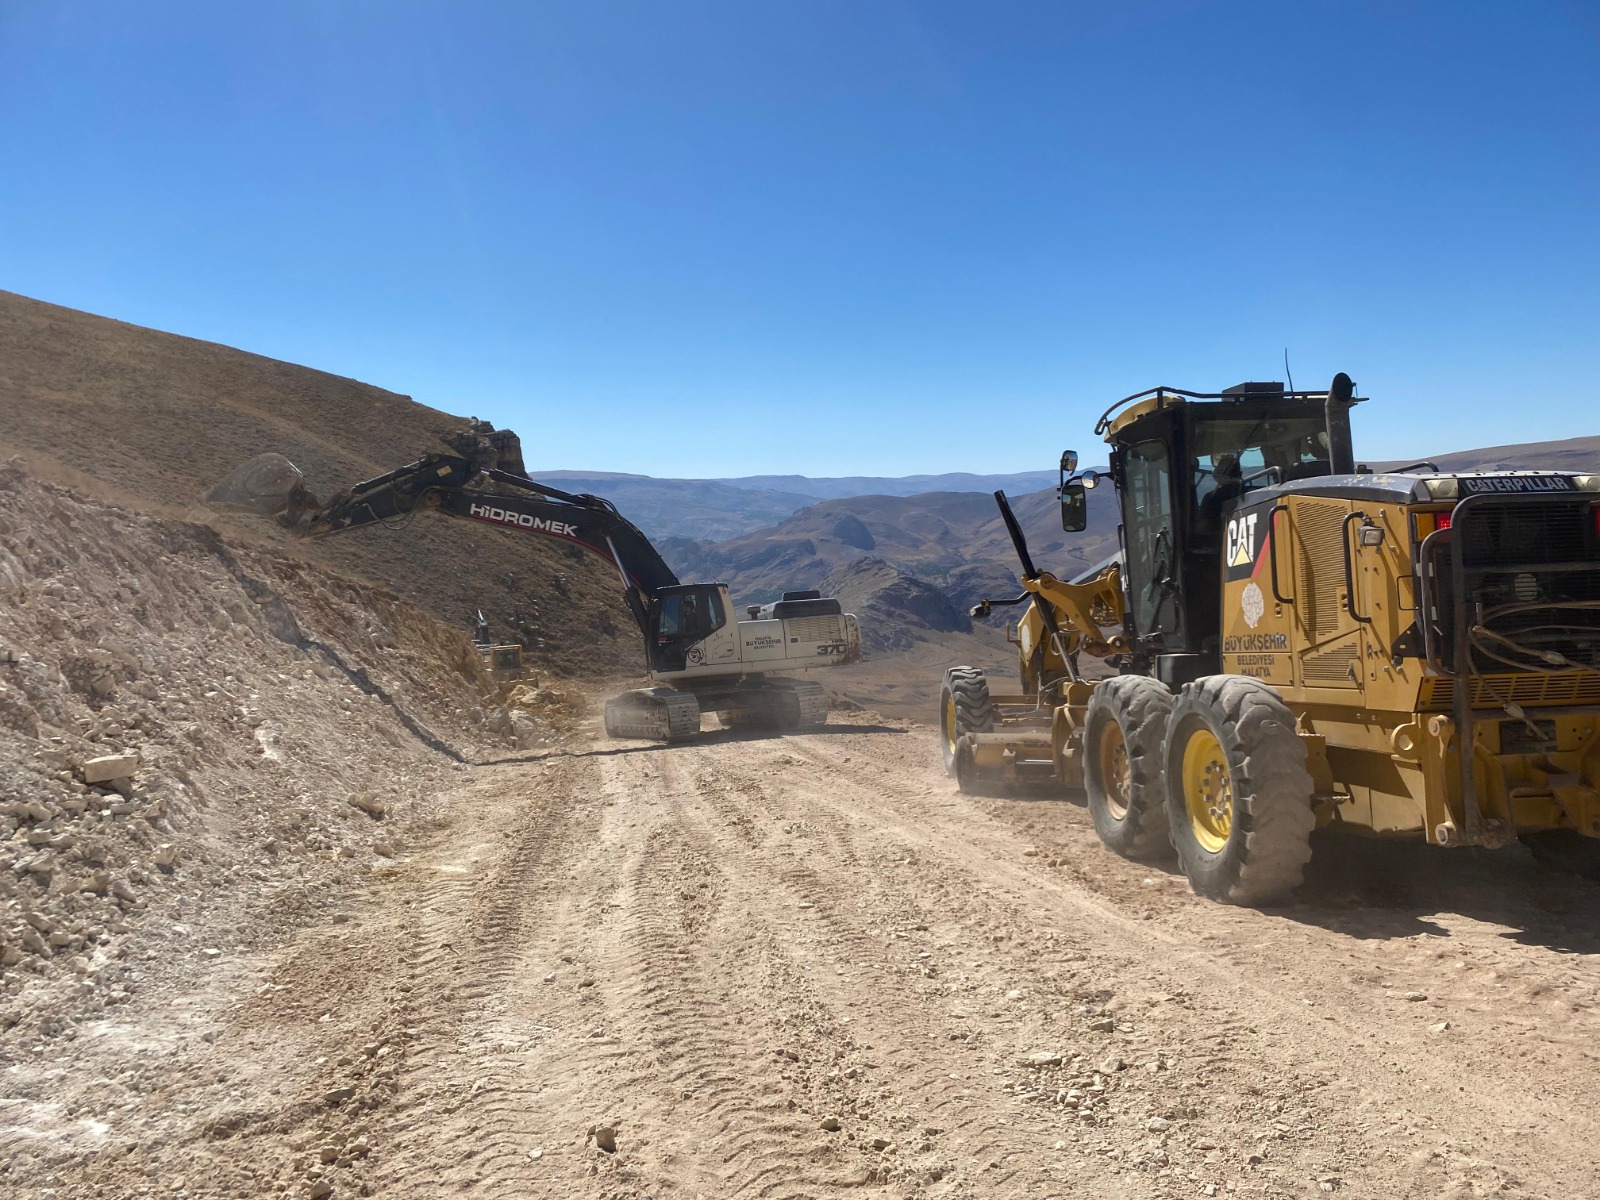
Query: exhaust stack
[1341, 451]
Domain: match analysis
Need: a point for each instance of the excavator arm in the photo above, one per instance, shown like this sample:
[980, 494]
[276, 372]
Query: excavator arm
[458, 487]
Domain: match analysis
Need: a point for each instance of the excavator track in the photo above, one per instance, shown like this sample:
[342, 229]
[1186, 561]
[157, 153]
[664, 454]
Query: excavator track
[657, 714]
[782, 704]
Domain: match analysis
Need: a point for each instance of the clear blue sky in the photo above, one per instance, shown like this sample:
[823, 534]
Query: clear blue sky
[801, 236]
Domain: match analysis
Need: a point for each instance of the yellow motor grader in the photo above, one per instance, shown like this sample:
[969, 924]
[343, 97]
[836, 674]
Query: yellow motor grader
[1300, 644]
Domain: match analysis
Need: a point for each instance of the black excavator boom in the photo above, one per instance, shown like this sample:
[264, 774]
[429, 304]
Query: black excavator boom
[458, 487]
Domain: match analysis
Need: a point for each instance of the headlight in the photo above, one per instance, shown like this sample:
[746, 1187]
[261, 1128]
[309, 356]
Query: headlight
[1445, 488]
[1586, 483]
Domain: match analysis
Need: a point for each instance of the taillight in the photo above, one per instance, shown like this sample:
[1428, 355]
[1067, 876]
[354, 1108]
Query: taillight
[1427, 522]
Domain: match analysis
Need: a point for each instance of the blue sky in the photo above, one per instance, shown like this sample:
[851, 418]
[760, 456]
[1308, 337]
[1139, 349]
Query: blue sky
[831, 238]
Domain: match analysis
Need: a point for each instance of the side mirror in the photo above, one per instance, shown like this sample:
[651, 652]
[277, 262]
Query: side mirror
[1069, 462]
[1074, 506]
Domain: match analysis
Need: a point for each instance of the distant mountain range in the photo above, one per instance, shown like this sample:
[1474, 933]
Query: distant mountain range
[957, 542]
[903, 485]
[717, 509]
[724, 510]
[953, 540]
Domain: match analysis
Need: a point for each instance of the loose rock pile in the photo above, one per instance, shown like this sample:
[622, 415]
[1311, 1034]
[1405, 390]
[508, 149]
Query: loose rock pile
[186, 727]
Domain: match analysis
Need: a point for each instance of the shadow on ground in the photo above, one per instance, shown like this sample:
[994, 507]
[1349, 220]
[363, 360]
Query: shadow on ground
[1370, 888]
[713, 737]
[1379, 889]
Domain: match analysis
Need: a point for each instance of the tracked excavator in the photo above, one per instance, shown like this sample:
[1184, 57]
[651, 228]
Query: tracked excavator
[700, 656]
[1299, 643]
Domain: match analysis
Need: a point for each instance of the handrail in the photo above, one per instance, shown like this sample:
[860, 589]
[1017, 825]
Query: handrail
[1272, 552]
[1350, 569]
[1104, 422]
[1427, 570]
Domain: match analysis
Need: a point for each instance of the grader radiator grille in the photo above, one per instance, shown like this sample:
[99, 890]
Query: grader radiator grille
[1332, 667]
[1563, 687]
[1321, 533]
[1530, 568]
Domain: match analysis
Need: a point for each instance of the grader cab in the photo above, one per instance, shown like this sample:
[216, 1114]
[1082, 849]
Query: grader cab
[1300, 644]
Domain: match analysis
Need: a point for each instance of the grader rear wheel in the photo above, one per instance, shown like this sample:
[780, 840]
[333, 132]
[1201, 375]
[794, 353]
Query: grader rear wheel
[964, 707]
[1238, 792]
[1124, 730]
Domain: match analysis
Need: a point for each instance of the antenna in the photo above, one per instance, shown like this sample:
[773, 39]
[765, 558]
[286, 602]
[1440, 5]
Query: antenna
[1286, 370]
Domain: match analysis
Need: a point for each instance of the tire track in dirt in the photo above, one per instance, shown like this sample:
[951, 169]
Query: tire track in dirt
[467, 966]
[1407, 1089]
[985, 905]
[910, 1080]
[698, 960]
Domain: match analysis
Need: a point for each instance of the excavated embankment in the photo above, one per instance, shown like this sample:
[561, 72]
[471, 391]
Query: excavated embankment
[196, 740]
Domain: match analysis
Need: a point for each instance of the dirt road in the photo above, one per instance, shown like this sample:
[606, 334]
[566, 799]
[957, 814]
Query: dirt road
[796, 966]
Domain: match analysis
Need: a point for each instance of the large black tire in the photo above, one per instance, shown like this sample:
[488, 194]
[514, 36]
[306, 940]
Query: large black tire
[964, 707]
[1238, 792]
[1565, 850]
[1124, 738]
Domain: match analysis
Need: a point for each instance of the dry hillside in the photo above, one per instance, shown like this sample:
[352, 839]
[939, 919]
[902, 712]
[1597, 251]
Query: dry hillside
[155, 420]
[693, 508]
[954, 540]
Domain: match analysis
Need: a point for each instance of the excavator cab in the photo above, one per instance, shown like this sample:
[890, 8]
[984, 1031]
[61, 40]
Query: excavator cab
[681, 617]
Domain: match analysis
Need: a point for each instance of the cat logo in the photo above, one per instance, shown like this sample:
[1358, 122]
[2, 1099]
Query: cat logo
[1241, 544]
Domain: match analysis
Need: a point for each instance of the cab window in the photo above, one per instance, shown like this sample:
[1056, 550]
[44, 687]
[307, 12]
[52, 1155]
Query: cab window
[690, 615]
[1147, 519]
[1233, 456]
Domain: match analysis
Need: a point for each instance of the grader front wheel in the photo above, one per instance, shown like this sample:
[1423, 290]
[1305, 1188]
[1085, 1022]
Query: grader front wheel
[1124, 727]
[1238, 792]
[964, 707]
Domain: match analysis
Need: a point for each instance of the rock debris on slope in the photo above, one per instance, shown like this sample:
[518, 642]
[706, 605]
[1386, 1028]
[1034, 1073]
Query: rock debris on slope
[185, 729]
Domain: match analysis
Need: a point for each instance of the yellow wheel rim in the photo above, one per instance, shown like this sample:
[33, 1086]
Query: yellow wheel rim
[1207, 790]
[950, 721]
[1116, 776]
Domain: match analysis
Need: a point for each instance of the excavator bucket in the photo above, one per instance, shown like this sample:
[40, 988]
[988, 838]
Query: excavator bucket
[268, 484]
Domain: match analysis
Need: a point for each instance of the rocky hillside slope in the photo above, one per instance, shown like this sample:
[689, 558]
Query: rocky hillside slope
[896, 610]
[155, 420]
[193, 733]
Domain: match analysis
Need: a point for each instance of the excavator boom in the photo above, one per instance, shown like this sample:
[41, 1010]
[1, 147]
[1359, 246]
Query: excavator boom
[458, 487]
